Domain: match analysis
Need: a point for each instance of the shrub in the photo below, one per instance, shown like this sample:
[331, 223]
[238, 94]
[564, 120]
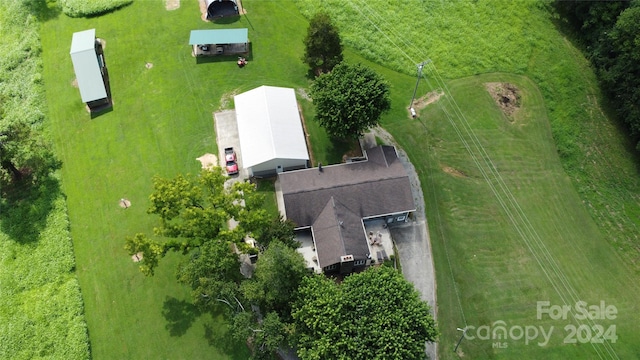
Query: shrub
[81, 8]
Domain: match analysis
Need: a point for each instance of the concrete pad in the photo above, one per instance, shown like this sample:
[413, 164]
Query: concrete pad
[227, 136]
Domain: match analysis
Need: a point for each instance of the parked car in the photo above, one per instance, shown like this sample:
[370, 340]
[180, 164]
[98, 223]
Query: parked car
[231, 160]
[230, 154]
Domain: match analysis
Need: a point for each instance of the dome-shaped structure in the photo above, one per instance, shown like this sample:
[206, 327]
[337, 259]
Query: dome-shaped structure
[221, 8]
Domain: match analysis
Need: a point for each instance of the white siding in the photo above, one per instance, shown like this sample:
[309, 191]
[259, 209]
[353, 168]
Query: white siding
[86, 67]
[270, 128]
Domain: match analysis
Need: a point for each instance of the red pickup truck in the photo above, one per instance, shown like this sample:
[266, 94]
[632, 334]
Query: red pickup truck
[231, 160]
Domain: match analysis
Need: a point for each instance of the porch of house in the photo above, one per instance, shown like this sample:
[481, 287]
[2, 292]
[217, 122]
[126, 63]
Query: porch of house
[379, 240]
[308, 250]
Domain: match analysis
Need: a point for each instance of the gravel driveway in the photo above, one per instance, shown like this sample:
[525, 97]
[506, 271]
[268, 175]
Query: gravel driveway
[412, 239]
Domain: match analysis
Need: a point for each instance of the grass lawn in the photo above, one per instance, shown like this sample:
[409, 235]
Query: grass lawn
[558, 224]
[567, 201]
[161, 122]
[508, 237]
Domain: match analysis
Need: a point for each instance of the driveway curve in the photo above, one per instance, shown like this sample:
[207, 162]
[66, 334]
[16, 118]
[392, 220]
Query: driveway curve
[412, 239]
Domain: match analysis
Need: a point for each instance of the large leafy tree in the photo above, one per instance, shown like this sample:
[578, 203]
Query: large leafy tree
[618, 57]
[24, 152]
[196, 210]
[322, 45]
[212, 272]
[274, 284]
[370, 313]
[349, 100]
[272, 289]
[591, 18]
[280, 229]
[610, 33]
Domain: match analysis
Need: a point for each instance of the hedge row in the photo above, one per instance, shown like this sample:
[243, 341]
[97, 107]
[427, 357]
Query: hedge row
[81, 8]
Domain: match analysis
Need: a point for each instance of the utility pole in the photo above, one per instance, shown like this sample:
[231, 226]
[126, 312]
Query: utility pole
[420, 66]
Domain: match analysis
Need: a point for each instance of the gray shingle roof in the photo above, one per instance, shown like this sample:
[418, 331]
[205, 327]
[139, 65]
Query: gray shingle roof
[348, 193]
[338, 231]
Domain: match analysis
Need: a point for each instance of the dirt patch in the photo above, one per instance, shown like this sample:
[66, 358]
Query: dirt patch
[124, 203]
[208, 161]
[303, 94]
[453, 172]
[74, 83]
[148, 65]
[172, 4]
[427, 99]
[355, 151]
[225, 100]
[203, 10]
[507, 97]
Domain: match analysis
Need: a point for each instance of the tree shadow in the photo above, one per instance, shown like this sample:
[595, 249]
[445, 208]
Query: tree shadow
[179, 314]
[25, 206]
[342, 149]
[221, 338]
[43, 10]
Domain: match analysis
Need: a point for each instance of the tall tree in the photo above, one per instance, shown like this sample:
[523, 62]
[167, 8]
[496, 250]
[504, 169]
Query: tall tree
[212, 273]
[274, 284]
[618, 60]
[370, 313]
[322, 45]
[349, 100]
[24, 152]
[591, 18]
[280, 229]
[194, 211]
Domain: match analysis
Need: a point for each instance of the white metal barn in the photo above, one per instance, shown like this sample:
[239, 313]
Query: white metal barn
[270, 131]
[90, 68]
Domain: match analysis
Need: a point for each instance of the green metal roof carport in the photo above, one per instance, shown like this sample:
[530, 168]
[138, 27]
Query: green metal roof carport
[219, 36]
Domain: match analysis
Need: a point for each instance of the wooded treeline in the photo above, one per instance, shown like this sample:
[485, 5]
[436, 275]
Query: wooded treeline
[610, 34]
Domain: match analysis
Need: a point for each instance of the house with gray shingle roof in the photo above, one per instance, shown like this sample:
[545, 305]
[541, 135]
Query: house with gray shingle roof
[331, 204]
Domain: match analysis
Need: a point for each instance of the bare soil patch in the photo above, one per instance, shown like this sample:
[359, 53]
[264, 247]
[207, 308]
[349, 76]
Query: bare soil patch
[225, 100]
[453, 172]
[124, 203]
[172, 4]
[208, 161]
[507, 97]
[424, 101]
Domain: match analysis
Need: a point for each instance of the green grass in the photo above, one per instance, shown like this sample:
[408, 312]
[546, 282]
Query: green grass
[161, 122]
[571, 171]
[267, 188]
[41, 313]
[566, 165]
[41, 310]
[324, 149]
[483, 253]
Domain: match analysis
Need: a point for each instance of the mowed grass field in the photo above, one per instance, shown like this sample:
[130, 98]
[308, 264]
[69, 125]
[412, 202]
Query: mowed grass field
[161, 122]
[508, 229]
[537, 223]
[541, 209]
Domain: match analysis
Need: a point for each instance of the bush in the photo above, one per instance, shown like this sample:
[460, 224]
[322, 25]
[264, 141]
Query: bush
[81, 8]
